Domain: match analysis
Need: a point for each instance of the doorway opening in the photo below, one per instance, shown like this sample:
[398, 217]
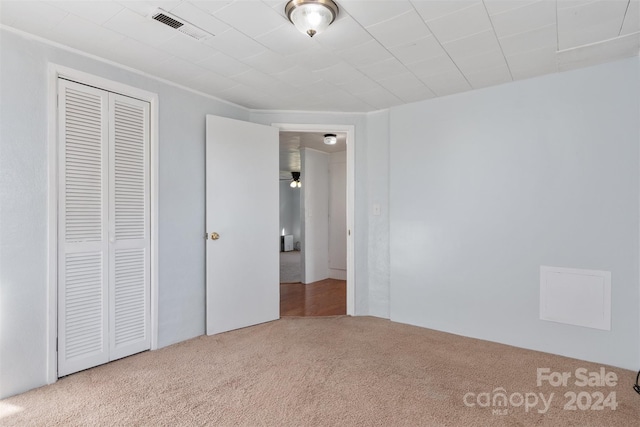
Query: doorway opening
[316, 220]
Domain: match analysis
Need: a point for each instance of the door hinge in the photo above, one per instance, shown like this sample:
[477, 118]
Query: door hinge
[56, 344]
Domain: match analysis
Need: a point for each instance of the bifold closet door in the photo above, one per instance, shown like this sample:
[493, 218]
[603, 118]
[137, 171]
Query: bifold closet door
[103, 228]
[129, 234]
[82, 228]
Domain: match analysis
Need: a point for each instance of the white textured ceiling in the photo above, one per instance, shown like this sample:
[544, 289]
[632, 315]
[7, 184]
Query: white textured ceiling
[379, 53]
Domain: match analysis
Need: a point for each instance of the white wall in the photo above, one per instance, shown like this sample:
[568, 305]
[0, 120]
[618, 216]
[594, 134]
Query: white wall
[378, 224]
[315, 215]
[338, 215]
[290, 210]
[23, 204]
[486, 186]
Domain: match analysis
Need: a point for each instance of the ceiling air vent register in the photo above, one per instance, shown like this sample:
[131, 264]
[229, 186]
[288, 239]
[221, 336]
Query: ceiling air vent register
[180, 25]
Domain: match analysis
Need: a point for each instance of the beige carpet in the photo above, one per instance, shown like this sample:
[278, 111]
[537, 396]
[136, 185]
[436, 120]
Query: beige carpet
[323, 372]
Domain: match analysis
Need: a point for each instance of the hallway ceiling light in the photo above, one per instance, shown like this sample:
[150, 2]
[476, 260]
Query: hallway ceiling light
[311, 16]
[296, 180]
[330, 139]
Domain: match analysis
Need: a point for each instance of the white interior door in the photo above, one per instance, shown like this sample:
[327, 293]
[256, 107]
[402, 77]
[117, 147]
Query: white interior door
[242, 178]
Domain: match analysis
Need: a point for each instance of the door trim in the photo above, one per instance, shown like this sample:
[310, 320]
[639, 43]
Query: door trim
[351, 151]
[55, 72]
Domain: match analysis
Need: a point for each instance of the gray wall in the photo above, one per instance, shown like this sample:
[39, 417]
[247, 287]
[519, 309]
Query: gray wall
[23, 204]
[488, 185]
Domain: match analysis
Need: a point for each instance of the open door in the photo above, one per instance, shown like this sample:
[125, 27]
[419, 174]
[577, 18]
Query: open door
[242, 175]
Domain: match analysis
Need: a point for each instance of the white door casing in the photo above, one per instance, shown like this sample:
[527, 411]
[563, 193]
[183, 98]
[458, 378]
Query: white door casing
[242, 202]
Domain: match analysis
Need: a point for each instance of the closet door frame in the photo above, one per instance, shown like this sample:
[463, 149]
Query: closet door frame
[56, 72]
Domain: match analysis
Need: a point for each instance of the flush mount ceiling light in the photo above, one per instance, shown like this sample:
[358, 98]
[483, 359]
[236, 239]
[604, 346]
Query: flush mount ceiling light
[311, 16]
[296, 180]
[330, 139]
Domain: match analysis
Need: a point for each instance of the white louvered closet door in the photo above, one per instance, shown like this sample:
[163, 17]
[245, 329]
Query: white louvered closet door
[129, 283]
[103, 228]
[82, 228]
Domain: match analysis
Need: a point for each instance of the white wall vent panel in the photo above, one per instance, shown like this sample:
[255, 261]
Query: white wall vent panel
[576, 297]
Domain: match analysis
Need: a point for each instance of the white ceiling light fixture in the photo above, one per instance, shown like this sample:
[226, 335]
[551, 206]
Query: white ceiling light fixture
[311, 16]
[330, 139]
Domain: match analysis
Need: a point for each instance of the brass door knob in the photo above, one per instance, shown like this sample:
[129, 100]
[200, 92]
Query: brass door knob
[215, 236]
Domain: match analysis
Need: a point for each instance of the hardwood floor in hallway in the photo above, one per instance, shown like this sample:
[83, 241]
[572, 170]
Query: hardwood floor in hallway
[324, 298]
